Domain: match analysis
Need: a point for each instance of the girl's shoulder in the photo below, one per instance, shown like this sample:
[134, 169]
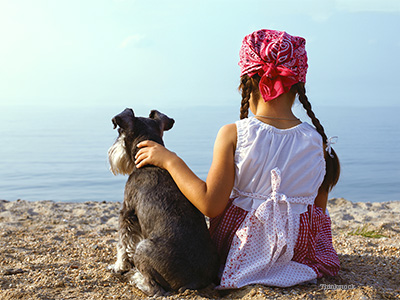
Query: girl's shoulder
[227, 135]
[228, 130]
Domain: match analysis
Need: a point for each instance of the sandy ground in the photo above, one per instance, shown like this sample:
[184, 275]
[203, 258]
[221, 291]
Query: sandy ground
[51, 250]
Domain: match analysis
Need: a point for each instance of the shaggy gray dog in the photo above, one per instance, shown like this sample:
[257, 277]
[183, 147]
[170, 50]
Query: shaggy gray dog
[163, 238]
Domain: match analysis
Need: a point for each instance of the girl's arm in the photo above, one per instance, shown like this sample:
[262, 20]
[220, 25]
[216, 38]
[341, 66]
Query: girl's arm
[211, 196]
[322, 199]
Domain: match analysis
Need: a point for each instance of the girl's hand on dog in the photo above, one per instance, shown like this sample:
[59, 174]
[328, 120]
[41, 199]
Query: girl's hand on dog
[152, 153]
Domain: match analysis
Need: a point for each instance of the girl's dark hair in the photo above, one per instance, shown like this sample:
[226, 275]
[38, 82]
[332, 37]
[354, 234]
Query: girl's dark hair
[247, 86]
[250, 85]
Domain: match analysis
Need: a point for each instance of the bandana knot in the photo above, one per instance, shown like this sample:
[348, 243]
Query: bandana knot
[272, 71]
[275, 80]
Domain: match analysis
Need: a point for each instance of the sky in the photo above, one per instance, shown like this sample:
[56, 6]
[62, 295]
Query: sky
[185, 53]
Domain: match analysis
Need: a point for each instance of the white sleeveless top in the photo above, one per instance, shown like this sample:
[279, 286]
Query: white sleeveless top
[297, 152]
[277, 174]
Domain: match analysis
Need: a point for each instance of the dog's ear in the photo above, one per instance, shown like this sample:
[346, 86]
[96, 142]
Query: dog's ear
[165, 122]
[124, 120]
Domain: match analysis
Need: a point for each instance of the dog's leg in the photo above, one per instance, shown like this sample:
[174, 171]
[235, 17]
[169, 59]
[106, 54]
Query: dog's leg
[147, 285]
[122, 264]
[147, 278]
[129, 237]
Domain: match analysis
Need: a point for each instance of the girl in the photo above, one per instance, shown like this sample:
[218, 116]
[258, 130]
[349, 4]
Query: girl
[267, 188]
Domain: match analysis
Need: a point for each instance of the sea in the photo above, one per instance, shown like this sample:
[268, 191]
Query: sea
[60, 153]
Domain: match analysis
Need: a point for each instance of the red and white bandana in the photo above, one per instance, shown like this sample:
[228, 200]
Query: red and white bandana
[279, 58]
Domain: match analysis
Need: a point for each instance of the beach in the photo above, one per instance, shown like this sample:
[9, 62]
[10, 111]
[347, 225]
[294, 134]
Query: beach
[59, 250]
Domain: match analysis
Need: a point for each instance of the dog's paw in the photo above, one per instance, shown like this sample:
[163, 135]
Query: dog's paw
[147, 285]
[117, 268]
[111, 268]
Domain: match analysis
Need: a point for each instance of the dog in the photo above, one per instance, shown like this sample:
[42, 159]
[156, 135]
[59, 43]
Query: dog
[163, 238]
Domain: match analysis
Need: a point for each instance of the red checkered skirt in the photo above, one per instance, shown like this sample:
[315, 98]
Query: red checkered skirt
[314, 242]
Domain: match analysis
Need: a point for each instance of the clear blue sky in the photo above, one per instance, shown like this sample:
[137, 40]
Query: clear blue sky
[182, 52]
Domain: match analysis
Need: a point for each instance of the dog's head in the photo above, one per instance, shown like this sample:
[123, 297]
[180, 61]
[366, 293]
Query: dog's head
[132, 130]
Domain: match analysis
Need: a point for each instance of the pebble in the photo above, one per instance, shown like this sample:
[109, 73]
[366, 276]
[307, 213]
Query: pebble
[13, 271]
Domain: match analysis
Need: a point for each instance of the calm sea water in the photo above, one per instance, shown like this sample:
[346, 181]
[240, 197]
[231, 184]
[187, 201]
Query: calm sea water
[60, 154]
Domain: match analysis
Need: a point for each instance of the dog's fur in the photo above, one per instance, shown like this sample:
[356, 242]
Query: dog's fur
[163, 238]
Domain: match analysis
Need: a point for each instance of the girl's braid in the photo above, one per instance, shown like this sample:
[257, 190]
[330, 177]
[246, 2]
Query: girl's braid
[307, 106]
[247, 87]
[332, 162]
